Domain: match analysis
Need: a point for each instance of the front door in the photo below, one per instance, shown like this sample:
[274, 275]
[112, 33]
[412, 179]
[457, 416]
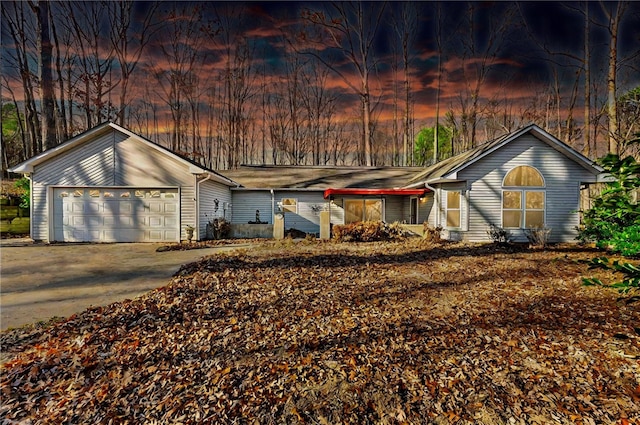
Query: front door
[413, 211]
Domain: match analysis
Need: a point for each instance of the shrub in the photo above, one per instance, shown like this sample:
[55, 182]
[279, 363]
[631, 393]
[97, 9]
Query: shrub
[613, 221]
[219, 228]
[630, 275]
[24, 187]
[498, 234]
[538, 236]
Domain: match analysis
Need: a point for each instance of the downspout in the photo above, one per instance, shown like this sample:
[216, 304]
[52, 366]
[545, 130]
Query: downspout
[31, 220]
[273, 207]
[198, 182]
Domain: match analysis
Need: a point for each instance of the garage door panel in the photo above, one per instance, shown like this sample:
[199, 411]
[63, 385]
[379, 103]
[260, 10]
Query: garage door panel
[120, 214]
[92, 207]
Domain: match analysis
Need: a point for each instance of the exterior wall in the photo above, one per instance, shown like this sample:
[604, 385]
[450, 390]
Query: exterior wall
[562, 181]
[394, 209]
[209, 192]
[246, 202]
[310, 203]
[111, 159]
[309, 206]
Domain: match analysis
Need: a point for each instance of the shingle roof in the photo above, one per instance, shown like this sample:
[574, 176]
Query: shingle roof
[321, 177]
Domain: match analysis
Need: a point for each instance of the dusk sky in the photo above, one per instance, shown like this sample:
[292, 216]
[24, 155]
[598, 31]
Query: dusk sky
[519, 55]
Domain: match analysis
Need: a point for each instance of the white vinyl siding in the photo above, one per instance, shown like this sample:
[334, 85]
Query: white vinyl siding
[562, 179]
[209, 192]
[111, 159]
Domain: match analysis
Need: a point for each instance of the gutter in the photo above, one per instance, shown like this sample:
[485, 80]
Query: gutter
[198, 182]
[375, 192]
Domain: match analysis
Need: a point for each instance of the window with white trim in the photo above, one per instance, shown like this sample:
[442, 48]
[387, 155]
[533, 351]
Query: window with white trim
[290, 205]
[356, 210]
[453, 208]
[523, 198]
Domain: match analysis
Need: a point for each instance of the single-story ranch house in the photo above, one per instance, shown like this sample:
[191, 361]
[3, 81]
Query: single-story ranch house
[111, 185]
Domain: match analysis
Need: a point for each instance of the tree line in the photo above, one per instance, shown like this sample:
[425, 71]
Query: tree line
[194, 78]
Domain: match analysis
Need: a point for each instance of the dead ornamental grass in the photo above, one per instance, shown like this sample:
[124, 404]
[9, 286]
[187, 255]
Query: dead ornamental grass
[342, 333]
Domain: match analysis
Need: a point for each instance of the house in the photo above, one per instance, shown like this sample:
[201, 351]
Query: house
[524, 179]
[111, 185]
[300, 193]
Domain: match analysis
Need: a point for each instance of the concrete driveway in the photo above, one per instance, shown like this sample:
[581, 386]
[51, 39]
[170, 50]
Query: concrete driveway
[39, 281]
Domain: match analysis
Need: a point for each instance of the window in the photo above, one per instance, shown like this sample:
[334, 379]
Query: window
[453, 208]
[290, 205]
[362, 210]
[523, 198]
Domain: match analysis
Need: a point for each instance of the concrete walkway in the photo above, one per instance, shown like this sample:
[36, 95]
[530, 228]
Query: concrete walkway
[39, 281]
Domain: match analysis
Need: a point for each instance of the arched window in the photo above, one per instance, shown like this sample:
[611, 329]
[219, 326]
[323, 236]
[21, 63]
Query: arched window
[523, 198]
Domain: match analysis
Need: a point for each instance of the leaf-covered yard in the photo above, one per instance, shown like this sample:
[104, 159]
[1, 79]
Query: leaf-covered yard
[326, 333]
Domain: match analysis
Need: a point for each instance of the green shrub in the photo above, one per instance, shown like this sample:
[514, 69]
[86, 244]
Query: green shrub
[24, 186]
[630, 275]
[613, 221]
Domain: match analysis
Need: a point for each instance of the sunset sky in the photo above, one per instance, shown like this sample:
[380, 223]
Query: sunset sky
[526, 48]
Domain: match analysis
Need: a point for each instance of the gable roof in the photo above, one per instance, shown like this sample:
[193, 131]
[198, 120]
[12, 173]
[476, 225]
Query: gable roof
[321, 177]
[448, 168]
[82, 138]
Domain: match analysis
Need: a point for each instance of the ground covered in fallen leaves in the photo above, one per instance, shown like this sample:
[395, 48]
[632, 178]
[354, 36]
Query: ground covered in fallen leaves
[327, 333]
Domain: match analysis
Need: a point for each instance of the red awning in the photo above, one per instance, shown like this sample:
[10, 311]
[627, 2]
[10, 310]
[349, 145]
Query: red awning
[375, 192]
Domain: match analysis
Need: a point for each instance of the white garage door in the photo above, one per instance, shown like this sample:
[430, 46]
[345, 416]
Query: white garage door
[104, 214]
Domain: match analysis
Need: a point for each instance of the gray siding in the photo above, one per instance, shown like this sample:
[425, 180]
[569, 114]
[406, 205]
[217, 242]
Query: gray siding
[246, 202]
[209, 192]
[309, 206]
[562, 179]
[394, 209]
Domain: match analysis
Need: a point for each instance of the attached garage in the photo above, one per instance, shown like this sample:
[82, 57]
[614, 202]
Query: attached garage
[111, 185]
[108, 214]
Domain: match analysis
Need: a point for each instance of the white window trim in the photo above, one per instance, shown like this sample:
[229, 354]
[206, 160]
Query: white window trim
[289, 208]
[382, 206]
[523, 198]
[459, 209]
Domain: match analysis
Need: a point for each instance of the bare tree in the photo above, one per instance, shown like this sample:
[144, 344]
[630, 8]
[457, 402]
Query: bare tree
[351, 31]
[85, 21]
[129, 33]
[45, 73]
[20, 24]
[614, 17]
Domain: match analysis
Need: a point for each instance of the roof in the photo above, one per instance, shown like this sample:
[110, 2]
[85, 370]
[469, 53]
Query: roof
[194, 168]
[375, 192]
[321, 177]
[447, 169]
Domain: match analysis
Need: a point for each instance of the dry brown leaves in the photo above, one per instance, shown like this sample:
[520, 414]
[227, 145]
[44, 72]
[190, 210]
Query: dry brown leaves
[337, 333]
